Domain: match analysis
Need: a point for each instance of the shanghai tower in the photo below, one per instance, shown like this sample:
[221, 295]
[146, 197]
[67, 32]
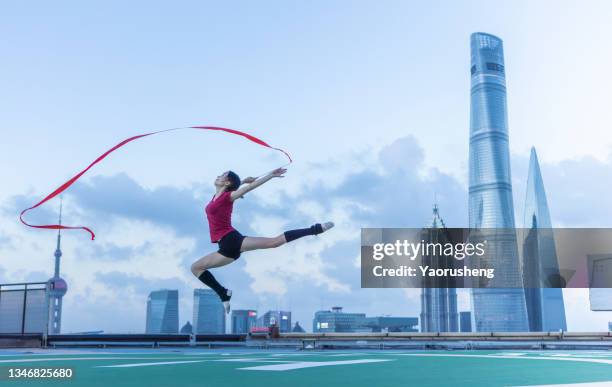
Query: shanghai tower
[501, 307]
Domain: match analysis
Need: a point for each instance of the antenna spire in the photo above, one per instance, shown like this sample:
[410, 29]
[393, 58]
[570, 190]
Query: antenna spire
[60, 213]
[58, 250]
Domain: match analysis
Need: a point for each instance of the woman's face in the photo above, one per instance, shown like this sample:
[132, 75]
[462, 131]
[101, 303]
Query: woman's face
[222, 180]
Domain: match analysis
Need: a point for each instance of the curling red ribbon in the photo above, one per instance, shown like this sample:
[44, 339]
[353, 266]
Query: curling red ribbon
[67, 184]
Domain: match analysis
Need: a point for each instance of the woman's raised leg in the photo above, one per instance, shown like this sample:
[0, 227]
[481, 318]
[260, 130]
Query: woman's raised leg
[256, 243]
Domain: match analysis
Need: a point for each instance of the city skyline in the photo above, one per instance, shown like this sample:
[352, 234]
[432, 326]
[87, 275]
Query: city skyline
[384, 115]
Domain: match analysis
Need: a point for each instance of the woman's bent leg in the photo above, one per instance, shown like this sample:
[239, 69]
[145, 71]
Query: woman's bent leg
[209, 261]
[200, 269]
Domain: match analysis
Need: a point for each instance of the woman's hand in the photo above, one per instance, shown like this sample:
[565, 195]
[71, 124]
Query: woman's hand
[248, 180]
[279, 172]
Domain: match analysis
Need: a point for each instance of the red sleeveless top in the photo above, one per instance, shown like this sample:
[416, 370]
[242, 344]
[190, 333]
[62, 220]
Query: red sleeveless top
[219, 214]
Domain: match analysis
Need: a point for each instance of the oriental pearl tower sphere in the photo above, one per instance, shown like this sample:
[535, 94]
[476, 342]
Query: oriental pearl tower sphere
[57, 288]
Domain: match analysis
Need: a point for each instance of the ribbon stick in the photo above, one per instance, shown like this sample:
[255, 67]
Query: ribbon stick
[67, 184]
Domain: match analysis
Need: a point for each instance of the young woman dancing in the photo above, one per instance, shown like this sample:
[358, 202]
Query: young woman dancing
[231, 242]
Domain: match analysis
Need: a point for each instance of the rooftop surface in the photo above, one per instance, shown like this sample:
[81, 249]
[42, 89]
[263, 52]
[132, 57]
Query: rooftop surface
[248, 367]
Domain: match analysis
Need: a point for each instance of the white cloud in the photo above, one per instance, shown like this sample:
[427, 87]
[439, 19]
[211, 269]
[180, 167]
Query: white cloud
[577, 308]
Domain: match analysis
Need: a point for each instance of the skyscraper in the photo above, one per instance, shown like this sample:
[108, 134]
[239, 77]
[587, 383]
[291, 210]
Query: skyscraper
[545, 309]
[281, 318]
[57, 287]
[501, 307]
[208, 312]
[438, 295]
[162, 311]
[243, 320]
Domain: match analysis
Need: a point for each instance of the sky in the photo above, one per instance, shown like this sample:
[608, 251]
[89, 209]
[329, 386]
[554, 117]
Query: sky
[370, 98]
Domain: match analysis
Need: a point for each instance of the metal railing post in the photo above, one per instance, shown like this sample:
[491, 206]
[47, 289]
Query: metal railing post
[23, 313]
[45, 332]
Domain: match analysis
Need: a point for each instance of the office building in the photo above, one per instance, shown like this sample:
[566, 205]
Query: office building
[243, 320]
[389, 324]
[162, 312]
[335, 320]
[276, 317]
[208, 312]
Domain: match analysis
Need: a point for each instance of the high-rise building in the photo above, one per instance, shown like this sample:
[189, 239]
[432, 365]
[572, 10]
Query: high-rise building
[610, 326]
[208, 312]
[281, 318]
[541, 276]
[501, 307]
[336, 320]
[57, 287]
[390, 324]
[465, 320]
[438, 295]
[162, 311]
[243, 320]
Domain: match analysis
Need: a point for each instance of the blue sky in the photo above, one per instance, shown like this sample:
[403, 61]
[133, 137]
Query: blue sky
[370, 98]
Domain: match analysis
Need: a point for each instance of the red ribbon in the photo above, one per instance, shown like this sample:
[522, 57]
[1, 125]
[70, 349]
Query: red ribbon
[67, 184]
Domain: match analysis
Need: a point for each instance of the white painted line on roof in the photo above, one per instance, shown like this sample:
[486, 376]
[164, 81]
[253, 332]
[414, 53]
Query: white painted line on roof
[150, 364]
[58, 352]
[309, 353]
[585, 360]
[296, 354]
[254, 360]
[577, 355]
[348, 354]
[30, 360]
[97, 353]
[310, 364]
[220, 354]
[594, 384]
[208, 355]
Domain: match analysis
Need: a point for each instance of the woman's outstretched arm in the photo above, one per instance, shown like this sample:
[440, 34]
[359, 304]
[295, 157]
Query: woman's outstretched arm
[254, 183]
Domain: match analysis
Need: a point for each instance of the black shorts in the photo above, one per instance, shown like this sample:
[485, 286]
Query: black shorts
[230, 244]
